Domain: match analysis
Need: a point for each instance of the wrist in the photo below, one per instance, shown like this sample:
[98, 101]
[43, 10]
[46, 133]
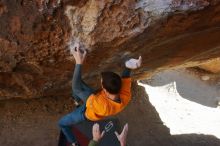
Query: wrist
[92, 142]
[78, 62]
[96, 139]
[123, 144]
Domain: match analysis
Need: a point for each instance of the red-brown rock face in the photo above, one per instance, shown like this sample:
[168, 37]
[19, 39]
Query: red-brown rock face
[35, 38]
[212, 66]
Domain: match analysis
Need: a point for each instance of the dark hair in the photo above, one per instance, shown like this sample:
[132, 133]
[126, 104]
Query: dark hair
[111, 82]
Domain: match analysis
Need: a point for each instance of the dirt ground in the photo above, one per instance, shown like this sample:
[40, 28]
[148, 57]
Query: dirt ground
[34, 122]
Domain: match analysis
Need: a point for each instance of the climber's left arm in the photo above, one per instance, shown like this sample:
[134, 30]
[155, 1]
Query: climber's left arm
[131, 64]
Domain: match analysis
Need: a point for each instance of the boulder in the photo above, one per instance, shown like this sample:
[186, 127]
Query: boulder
[35, 37]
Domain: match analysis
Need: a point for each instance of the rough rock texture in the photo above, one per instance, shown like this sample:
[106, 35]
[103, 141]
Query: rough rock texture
[212, 66]
[35, 37]
[34, 122]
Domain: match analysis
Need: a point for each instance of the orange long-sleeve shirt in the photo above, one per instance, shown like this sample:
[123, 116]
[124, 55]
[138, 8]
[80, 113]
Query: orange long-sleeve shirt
[98, 106]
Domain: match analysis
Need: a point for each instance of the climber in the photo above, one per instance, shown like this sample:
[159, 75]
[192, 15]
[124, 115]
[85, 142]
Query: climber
[110, 100]
[97, 135]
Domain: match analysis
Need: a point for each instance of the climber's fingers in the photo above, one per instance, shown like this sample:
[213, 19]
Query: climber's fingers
[77, 50]
[117, 135]
[84, 53]
[125, 129]
[76, 46]
[139, 61]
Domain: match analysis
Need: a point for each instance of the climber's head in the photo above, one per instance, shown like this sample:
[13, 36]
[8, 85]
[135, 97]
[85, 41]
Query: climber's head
[111, 82]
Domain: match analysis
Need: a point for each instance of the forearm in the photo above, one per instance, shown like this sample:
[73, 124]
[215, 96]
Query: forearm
[77, 71]
[76, 75]
[93, 143]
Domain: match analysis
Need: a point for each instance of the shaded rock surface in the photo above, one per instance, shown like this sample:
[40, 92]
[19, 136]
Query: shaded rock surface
[35, 38]
[212, 66]
[34, 122]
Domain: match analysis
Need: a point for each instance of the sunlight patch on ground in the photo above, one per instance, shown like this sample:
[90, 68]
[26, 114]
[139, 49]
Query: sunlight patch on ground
[183, 116]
